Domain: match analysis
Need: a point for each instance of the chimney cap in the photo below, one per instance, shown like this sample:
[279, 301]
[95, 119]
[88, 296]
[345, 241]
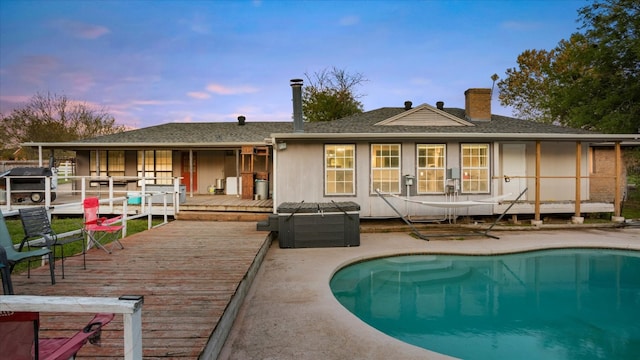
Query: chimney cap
[440, 105]
[296, 82]
[408, 105]
[241, 120]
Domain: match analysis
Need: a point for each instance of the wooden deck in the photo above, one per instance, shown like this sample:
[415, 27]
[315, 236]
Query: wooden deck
[189, 273]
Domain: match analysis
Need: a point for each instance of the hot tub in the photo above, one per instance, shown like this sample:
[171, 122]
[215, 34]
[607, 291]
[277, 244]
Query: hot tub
[307, 225]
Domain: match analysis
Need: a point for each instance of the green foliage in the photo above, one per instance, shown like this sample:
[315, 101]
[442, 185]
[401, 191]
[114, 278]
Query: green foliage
[526, 89]
[329, 95]
[631, 205]
[53, 118]
[590, 81]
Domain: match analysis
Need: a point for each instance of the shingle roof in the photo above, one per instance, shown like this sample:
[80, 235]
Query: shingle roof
[363, 123]
[202, 133]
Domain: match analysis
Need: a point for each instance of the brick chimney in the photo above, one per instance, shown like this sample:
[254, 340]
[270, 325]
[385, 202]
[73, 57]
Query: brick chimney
[477, 104]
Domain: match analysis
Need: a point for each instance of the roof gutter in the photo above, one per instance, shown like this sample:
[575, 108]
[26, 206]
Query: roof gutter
[133, 145]
[460, 136]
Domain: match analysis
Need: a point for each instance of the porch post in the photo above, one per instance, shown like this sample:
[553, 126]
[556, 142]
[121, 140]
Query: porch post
[617, 206]
[274, 178]
[578, 179]
[190, 172]
[238, 176]
[537, 203]
[143, 165]
[97, 163]
[40, 160]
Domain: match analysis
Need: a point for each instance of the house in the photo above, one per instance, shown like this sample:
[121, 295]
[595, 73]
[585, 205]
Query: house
[419, 153]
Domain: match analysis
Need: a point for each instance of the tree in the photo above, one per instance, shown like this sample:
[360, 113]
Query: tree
[53, 118]
[526, 89]
[590, 81]
[330, 95]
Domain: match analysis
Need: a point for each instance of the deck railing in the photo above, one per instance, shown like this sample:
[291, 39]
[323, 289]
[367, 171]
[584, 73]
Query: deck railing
[113, 186]
[125, 215]
[129, 306]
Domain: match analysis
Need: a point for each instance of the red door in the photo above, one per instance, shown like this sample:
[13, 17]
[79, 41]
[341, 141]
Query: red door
[188, 175]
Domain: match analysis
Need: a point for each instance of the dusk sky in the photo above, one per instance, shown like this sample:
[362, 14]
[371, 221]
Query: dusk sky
[153, 62]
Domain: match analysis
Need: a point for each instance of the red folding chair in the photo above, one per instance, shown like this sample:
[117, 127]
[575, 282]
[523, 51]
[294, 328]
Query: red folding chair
[19, 337]
[100, 230]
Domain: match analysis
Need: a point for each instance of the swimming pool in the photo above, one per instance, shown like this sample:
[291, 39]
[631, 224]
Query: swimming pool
[553, 304]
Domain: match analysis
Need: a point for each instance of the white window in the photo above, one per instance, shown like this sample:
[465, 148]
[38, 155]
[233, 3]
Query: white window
[158, 165]
[106, 163]
[431, 168]
[339, 169]
[475, 168]
[385, 168]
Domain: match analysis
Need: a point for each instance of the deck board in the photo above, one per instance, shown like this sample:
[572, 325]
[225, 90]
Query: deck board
[188, 272]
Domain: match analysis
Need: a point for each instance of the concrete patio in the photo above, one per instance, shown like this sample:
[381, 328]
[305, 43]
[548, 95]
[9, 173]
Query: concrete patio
[290, 312]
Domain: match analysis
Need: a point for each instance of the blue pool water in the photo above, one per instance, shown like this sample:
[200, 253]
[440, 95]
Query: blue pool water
[555, 304]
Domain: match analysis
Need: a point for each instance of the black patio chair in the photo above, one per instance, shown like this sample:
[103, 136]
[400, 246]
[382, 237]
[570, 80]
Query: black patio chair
[14, 257]
[36, 224]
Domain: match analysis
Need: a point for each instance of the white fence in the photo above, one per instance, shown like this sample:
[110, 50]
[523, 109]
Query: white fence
[130, 309]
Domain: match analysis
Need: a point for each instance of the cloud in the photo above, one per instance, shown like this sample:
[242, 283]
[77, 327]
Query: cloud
[420, 81]
[33, 69]
[82, 30]
[79, 81]
[349, 20]
[520, 25]
[8, 103]
[230, 90]
[153, 102]
[198, 25]
[15, 99]
[198, 95]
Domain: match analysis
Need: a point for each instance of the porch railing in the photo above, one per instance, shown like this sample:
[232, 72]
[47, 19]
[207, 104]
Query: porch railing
[95, 185]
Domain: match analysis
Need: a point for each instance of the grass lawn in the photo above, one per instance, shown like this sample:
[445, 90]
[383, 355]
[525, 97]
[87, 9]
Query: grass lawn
[62, 225]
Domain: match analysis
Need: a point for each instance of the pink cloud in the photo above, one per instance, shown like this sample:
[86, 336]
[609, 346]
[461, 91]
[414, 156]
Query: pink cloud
[82, 30]
[15, 99]
[230, 90]
[198, 95]
[81, 82]
[34, 68]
